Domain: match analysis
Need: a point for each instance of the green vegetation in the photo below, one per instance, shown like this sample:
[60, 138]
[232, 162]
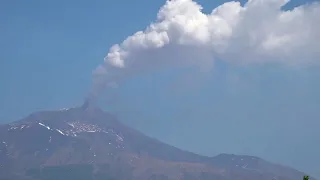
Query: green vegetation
[79, 172]
[85, 172]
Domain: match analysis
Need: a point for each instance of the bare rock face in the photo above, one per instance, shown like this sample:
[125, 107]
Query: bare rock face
[88, 143]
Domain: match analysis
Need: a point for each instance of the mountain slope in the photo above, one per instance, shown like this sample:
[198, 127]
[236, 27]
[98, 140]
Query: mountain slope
[51, 144]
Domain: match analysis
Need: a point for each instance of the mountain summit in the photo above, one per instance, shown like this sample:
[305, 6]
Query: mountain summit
[87, 143]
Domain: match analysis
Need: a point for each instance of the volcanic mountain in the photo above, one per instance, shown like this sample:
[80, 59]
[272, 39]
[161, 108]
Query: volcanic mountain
[90, 144]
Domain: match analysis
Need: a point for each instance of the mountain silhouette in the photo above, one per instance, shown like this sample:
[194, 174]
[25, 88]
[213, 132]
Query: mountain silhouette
[87, 143]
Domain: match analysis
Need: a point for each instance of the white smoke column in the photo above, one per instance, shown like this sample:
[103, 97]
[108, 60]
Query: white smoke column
[182, 36]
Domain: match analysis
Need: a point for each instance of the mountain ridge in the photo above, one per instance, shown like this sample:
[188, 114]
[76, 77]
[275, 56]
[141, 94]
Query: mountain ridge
[89, 137]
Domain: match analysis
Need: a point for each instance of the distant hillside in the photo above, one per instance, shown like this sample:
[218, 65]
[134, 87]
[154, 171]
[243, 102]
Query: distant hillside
[90, 144]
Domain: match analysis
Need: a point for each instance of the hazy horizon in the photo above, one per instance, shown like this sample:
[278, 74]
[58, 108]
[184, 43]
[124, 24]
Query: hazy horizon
[261, 99]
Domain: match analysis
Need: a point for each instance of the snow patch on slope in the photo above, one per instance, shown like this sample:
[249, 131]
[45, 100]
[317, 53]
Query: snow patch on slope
[60, 131]
[18, 127]
[44, 126]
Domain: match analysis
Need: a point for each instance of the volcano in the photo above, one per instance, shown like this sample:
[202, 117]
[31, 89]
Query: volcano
[91, 144]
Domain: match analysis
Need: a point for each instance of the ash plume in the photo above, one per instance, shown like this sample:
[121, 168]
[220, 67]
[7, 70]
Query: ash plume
[182, 35]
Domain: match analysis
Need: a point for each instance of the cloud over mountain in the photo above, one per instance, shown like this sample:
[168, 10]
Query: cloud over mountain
[258, 32]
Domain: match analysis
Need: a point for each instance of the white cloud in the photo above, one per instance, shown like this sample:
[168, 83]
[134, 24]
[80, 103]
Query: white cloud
[182, 35]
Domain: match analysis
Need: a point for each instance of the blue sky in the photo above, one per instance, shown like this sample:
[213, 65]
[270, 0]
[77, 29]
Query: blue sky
[48, 51]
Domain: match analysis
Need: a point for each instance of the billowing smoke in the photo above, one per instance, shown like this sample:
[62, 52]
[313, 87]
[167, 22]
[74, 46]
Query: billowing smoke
[183, 36]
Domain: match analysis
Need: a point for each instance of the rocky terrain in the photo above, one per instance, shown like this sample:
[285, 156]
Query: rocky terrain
[90, 144]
